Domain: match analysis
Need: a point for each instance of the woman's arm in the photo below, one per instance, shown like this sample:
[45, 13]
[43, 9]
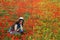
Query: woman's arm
[21, 27]
[15, 27]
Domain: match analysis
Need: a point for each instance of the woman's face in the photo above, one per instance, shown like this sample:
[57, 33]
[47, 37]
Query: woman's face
[21, 22]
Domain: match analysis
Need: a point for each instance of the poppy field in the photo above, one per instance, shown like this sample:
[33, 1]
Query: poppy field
[41, 19]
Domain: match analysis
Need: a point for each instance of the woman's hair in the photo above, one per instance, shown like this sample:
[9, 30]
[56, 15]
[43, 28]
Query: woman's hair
[20, 21]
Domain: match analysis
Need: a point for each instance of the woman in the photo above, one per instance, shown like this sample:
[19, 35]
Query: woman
[18, 26]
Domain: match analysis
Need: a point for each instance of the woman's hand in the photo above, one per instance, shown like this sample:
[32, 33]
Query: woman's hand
[18, 29]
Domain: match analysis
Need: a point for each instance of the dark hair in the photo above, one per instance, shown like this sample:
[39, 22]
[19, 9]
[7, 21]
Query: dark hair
[20, 21]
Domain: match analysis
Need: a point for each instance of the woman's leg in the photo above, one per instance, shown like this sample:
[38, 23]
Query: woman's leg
[21, 30]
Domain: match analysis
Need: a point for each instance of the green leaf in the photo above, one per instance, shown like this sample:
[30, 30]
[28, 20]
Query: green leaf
[3, 10]
[38, 38]
[1, 14]
[5, 29]
[55, 20]
[18, 35]
[30, 37]
[49, 36]
[55, 1]
[0, 33]
[14, 16]
[7, 38]
[0, 27]
[58, 35]
[7, 14]
[59, 23]
[7, 23]
[26, 15]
